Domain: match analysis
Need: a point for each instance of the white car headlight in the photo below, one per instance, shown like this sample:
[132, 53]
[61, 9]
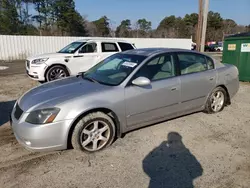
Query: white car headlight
[39, 61]
[43, 116]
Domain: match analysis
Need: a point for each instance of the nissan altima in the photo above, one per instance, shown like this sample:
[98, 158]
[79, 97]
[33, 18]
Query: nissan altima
[124, 92]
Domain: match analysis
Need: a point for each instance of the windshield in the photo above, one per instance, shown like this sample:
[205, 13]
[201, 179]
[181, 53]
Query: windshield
[72, 48]
[114, 69]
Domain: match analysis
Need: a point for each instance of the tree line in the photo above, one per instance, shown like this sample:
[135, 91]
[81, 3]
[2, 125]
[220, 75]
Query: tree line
[60, 18]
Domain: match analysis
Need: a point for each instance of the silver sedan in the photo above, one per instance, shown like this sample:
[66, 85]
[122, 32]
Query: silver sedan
[124, 92]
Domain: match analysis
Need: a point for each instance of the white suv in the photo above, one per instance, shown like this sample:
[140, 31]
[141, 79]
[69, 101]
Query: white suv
[79, 56]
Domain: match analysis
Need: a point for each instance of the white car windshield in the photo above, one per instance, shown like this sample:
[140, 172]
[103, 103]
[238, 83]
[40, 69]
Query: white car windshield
[72, 48]
[114, 69]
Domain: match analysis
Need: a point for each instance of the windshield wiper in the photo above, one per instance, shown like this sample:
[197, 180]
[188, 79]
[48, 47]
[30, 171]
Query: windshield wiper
[89, 79]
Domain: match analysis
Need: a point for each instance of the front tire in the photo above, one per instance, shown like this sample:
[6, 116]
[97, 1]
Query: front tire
[56, 72]
[216, 101]
[93, 133]
[42, 82]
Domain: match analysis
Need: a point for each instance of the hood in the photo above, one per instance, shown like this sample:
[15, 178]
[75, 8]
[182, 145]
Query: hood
[56, 92]
[48, 55]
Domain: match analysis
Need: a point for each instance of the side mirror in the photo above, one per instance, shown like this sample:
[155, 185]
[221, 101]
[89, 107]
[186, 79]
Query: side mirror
[141, 81]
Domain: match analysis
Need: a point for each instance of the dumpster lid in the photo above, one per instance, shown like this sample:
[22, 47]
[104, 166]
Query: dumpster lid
[246, 34]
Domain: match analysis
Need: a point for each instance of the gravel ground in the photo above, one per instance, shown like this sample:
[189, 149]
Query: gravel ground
[214, 152]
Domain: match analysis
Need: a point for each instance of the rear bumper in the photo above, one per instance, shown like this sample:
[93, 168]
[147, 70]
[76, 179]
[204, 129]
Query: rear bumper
[233, 87]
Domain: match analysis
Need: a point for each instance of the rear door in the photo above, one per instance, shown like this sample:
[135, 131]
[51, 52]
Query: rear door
[108, 49]
[158, 101]
[198, 79]
[125, 46]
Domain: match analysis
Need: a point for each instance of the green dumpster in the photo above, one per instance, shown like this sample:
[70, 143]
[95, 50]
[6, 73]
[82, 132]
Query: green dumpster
[236, 51]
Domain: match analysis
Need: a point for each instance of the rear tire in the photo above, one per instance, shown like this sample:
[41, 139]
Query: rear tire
[216, 101]
[56, 72]
[93, 133]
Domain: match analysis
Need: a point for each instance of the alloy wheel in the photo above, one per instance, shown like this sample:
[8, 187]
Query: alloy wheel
[57, 73]
[95, 135]
[217, 101]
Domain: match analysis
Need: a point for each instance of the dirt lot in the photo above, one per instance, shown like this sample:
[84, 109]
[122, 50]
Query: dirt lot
[214, 151]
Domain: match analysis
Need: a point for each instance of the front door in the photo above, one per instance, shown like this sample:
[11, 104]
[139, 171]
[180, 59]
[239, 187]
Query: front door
[198, 79]
[158, 101]
[86, 58]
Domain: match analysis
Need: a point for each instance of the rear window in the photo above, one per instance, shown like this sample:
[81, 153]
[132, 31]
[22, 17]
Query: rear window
[125, 46]
[109, 47]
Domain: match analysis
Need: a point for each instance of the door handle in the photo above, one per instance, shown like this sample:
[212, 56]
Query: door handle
[173, 88]
[212, 78]
[78, 56]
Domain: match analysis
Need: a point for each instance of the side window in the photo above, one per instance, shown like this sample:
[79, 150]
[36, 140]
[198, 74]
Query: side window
[109, 47]
[125, 46]
[161, 67]
[210, 63]
[89, 48]
[158, 60]
[191, 63]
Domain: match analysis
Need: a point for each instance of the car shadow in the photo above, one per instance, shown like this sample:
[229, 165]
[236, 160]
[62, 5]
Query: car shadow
[171, 165]
[5, 110]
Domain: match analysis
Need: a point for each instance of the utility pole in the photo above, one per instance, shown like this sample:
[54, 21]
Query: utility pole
[204, 25]
[199, 26]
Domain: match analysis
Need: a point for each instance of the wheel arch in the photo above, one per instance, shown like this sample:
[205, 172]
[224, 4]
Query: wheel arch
[107, 111]
[56, 64]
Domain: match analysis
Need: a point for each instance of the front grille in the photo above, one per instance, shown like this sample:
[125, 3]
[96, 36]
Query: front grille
[18, 112]
[28, 64]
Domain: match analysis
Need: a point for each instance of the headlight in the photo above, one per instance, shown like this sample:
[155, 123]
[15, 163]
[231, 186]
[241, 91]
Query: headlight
[39, 61]
[43, 116]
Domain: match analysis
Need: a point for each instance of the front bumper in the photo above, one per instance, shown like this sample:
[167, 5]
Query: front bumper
[36, 72]
[48, 137]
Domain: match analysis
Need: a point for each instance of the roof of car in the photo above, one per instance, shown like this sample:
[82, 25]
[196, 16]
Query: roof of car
[155, 51]
[101, 40]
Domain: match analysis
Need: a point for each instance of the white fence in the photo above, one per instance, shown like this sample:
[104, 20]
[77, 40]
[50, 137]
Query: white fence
[20, 47]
